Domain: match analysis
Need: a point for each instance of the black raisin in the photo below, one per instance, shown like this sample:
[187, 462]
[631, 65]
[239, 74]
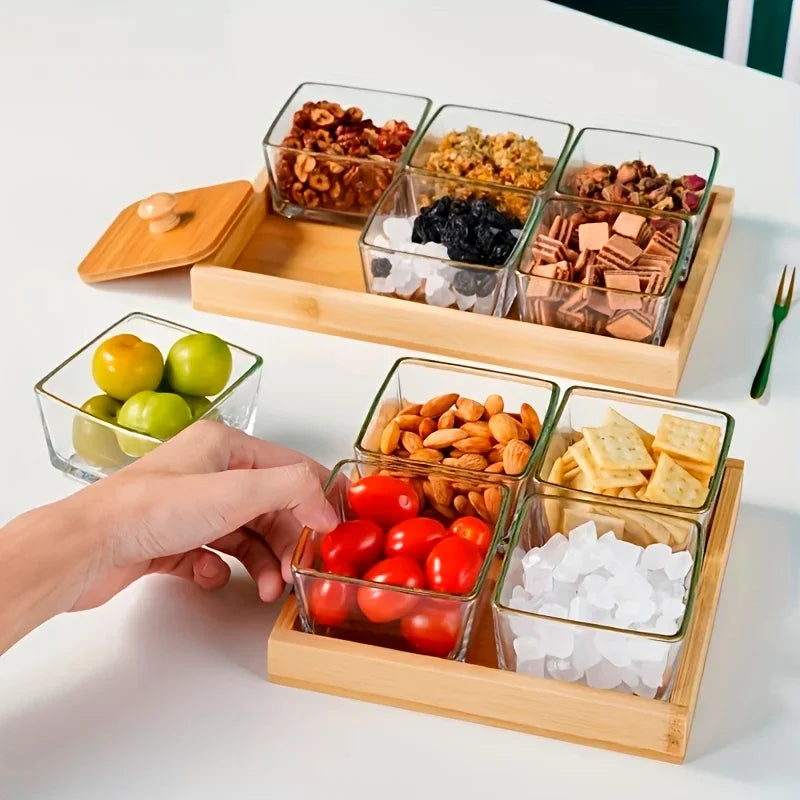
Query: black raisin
[485, 283]
[380, 267]
[464, 282]
[456, 231]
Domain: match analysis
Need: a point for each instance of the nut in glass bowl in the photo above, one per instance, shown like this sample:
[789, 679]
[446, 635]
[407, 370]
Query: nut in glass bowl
[83, 438]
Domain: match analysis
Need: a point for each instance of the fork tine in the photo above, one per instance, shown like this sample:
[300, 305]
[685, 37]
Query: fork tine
[788, 302]
[779, 296]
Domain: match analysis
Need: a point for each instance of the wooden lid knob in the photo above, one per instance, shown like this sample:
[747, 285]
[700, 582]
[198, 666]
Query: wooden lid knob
[159, 211]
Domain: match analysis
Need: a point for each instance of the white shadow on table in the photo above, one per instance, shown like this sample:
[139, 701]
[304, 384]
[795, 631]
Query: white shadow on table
[737, 318]
[748, 681]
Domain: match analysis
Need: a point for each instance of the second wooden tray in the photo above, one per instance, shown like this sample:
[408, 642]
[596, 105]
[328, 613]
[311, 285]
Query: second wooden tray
[307, 275]
[480, 692]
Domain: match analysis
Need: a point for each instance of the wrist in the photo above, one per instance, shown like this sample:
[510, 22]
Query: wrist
[47, 557]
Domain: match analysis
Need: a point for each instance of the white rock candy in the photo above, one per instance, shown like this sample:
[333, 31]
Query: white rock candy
[398, 230]
[604, 580]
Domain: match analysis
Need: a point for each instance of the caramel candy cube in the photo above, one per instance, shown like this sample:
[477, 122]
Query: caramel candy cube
[617, 300]
[592, 235]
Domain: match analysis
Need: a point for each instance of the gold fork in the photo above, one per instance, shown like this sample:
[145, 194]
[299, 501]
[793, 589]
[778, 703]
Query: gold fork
[780, 311]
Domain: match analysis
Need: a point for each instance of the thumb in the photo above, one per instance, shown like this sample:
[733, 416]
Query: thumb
[235, 497]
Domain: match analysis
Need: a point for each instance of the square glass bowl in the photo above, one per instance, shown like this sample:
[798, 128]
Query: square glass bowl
[416, 380]
[86, 447]
[329, 604]
[552, 137]
[547, 625]
[580, 303]
[586, 407]
[395, 266]
[332, 186]
[598, 147]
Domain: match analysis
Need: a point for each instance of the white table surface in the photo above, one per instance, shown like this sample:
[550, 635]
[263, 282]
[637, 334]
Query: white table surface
[162, 692]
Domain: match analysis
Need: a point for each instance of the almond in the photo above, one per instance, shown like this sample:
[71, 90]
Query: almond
[401, 452]
[447, 420]
[450, 462]
[412, 408]
[426, 427]
[515, 457]
[444, 511]
[477, 429]
[417, 484]
[496, 454]
[463, 487]
[493, 499]
[390, 437]
[439, 490]
[444, 438]
[429, 456]
[411, 441]
[472, 461]
[436, 406]
[504, 427]
[473, 444]
[463, 506]
[408, 422]
[476, 498]
[493, 405]
[530, 419]
[496, 468]
[469, 410]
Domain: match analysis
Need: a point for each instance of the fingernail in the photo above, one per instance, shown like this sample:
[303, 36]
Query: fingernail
[209, 567]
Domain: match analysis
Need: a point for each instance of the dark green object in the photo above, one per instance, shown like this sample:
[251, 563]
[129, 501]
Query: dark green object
[699, 25]
[779, 313]
[769, 31]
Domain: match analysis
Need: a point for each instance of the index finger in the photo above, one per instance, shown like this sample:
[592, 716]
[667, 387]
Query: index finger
[209, 446]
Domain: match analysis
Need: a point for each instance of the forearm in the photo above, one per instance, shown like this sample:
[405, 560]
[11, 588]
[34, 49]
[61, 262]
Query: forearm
[46, 555]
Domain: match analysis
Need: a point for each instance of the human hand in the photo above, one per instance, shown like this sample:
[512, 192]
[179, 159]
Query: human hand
[210, 486]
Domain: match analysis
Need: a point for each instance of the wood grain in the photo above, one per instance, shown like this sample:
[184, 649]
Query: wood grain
[479, 692]
[128, 247]
[307, 275]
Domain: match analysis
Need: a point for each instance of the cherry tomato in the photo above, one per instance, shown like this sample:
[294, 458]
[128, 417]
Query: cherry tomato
[353, 546]
[433, 629]
[383, 499]
[414, 537]
[330, 601]
[453, 566]
[385, 605]
[475, 530]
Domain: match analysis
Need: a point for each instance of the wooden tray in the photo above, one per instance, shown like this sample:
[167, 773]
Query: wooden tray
[307, 275]
[480, 692]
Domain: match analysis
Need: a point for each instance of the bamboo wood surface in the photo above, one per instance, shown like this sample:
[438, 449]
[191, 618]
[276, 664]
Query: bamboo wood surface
[479, 692]
[308, 275]
[128, 247]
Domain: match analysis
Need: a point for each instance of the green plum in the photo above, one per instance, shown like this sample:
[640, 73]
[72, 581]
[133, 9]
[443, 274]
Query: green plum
[197, 405]
[124, 365]
[96, 444]
[198, 364]
[157, 414]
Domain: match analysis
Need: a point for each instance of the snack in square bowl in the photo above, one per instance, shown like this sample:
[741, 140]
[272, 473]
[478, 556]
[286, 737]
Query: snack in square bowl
[584, 598]
[462, 421]
[396, 572]
[637, 449]
[600, 268]
[445, 242]
[137, 384]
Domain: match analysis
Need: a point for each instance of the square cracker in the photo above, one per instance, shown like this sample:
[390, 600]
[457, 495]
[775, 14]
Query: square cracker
[688, 439]
[601, 479]
[557, 473]
[613, 417]
[700, 471]
[572, 517]
[673, 485]
[618, 447]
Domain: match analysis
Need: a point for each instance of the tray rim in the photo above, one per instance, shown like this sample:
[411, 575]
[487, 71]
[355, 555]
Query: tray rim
[653, 728]
[655, 369]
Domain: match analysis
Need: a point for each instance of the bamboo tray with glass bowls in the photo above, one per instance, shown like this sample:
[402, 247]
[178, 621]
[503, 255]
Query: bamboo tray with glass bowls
[256, 253]
[478, 682]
